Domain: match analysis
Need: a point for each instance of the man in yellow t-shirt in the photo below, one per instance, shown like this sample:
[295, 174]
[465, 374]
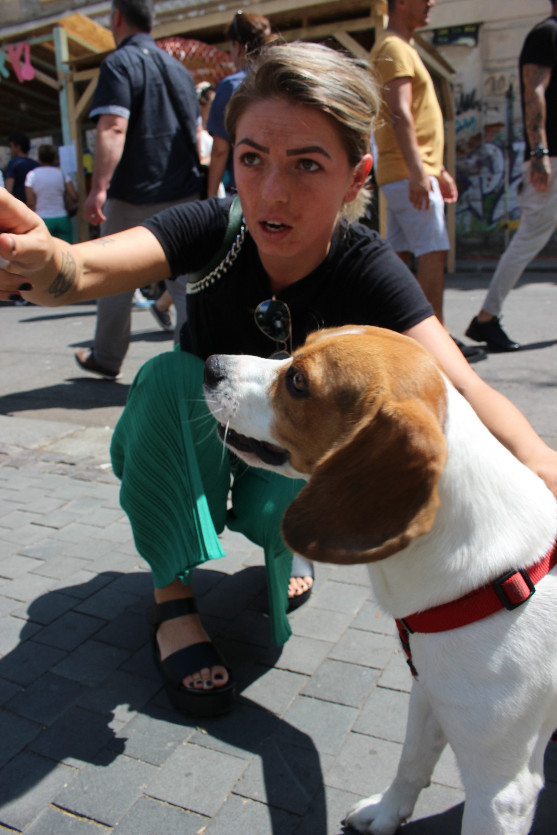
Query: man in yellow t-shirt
[410, 142]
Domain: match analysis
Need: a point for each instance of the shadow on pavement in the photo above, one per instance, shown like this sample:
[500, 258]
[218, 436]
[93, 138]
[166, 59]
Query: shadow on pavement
[83, 667]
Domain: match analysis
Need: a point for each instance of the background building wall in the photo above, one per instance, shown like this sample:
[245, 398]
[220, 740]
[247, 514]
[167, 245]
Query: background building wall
[489, 131]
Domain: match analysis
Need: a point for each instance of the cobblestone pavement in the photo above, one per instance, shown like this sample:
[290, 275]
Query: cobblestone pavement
[90, 744]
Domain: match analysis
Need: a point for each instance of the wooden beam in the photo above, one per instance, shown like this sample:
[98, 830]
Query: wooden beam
[323, 30]
[351, 45]
[85, 99]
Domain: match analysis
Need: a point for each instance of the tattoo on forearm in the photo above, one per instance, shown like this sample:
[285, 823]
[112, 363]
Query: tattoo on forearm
[536, 79]
[65, 278]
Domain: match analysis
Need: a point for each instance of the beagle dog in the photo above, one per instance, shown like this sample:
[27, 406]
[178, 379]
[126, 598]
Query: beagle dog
[459, 538]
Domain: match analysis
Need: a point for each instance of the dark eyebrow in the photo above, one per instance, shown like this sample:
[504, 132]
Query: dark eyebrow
[309, 149]
[252, 144]
[291, 152]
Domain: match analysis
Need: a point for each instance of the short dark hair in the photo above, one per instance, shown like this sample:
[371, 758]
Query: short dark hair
[138, 13]
[252, 31]
[47, 154]
[20, 139]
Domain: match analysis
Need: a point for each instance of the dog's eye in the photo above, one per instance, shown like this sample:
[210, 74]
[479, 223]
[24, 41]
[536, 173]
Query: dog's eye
[296, 383]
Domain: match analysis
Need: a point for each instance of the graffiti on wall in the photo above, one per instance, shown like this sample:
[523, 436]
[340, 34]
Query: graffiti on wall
[489, 154]
[488, 179]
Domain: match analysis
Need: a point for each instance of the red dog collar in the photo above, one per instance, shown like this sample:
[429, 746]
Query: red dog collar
[510, 590]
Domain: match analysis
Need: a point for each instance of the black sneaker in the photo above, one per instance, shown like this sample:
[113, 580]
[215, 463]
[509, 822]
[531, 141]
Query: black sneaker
[492, 334]
[86, 360]
[473, 353]
[164, 320]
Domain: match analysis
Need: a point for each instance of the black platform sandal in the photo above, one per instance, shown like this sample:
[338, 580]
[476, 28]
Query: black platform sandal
[300, 568]
[184, 662]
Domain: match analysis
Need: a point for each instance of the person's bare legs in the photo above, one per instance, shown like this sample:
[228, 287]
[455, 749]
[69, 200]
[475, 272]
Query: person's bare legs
[182, 632]
[431, 278]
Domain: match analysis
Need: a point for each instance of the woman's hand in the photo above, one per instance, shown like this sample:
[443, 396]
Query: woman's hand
[27, 251]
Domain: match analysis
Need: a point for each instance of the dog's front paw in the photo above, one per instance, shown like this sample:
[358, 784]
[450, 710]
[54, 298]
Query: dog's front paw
[374, 816]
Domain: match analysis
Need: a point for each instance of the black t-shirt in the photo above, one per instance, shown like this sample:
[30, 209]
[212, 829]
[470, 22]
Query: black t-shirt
[18, 168]
[540, 47]
[361, 281]
[158, 163]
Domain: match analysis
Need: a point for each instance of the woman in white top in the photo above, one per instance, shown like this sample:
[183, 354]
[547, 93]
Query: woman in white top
[45, 187]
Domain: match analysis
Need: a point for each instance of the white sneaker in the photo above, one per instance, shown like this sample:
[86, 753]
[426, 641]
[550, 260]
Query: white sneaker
[140, 301]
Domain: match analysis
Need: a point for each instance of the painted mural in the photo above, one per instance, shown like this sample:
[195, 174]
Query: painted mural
[489, 154]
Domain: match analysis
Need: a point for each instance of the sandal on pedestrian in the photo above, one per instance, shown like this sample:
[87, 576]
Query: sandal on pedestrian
[300, 568]
[185, 662]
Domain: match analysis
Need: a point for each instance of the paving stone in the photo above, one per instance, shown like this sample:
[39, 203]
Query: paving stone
[128, 630]
[60, 567]
[315, 723]
[243, 733]
[27, 588]
[86, 583]
[426, 812]
[239, 816]
[346, 684]
[28, 661]
[384, 715]
[86, 549]
[90, 793]
[27, 784]
[151, 817]
[321, 624]
[43, 549]
[327, 811]
[91, 662]
[70, 630]
[106, 603]
[153, 736]
[17, 566]
[396, 675]
[45, 699]
[121, 695]
[11, 634]
[284, 776]
[8, 690]
[275, 689]
[18, 518]
[77, 532]
[336, 596]
[57, 822]
[8, 607]
[197, 779]
[366, 648]
[303, 655]
[15, 733]
[364, 765]
[114, 560]
[76, 738]
[27, 534]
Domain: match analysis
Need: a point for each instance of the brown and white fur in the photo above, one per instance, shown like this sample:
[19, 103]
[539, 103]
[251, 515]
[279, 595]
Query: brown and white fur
[402, 475]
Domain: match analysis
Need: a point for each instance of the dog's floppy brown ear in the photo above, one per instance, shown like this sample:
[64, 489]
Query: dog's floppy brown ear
[372, 495]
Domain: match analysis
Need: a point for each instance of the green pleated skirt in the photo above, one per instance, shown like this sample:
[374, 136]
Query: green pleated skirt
[176, 480]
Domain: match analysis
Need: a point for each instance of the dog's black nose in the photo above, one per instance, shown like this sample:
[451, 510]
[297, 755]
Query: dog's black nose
[213, 371]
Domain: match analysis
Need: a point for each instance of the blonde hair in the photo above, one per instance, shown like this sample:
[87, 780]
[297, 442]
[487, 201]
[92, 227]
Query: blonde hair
[324, 79]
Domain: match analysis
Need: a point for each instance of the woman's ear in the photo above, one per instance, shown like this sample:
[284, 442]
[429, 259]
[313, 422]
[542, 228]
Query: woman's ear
[359, 176]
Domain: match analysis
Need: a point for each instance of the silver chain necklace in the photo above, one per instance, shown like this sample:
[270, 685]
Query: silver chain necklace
[218, 272]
